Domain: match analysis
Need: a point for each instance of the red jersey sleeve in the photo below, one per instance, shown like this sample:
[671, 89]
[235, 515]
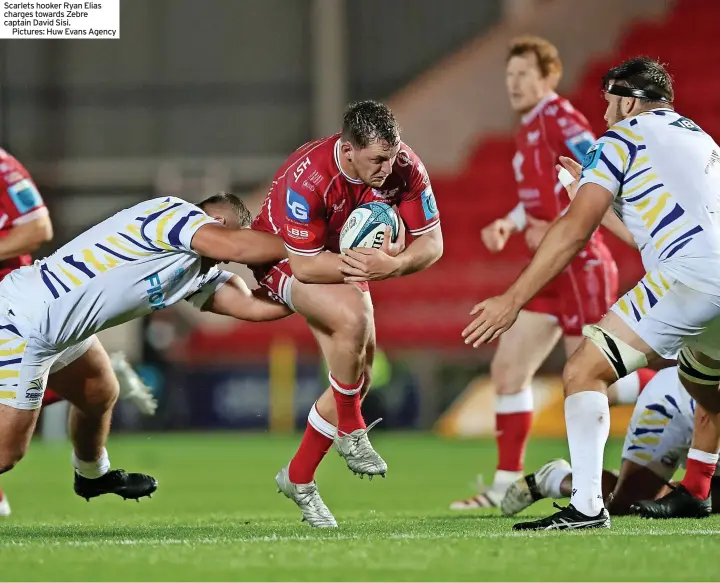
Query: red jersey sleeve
[417, 207]
[569, 132]
[305, 222]
[21, 200]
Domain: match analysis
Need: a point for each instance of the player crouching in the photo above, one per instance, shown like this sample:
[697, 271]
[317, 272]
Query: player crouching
[141, 259]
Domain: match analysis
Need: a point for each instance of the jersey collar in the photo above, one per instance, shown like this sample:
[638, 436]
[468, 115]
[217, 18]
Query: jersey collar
[528, 117]
[337, 162]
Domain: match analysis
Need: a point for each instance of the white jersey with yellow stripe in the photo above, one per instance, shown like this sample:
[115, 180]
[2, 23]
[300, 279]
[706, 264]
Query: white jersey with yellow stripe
[664, 174]
[134, 262]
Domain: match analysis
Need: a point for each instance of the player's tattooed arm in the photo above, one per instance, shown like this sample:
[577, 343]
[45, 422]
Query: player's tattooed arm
[238, 245]
[235, 299]
[25, 238]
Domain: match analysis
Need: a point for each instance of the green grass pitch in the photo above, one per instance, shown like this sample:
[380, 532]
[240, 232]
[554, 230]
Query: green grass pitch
[216, 516]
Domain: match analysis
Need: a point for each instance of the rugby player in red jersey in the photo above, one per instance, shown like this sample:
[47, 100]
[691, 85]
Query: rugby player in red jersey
[312, 195]
[550, 127]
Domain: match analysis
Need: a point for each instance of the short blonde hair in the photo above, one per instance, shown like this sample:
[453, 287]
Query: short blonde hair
[547, 55]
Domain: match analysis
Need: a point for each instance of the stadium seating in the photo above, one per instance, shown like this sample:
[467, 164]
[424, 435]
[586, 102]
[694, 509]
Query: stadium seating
[430, 309]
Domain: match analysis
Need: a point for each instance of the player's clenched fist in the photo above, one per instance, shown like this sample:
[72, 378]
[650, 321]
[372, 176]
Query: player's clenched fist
[495, 236]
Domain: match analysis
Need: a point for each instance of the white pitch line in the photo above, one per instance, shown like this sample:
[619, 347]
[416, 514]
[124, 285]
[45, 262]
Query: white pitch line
[343, 537]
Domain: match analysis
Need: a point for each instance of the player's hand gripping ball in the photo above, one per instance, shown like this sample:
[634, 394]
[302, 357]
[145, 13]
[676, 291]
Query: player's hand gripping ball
[366, 226]
[371, 238]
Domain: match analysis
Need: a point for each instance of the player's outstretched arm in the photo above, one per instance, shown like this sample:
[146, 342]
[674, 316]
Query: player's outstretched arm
[236, 300]
[238, 245]
[25, 238]
[563, 241]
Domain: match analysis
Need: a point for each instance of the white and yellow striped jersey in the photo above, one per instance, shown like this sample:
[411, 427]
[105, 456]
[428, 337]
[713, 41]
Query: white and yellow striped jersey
[137, 261]
[664, 174]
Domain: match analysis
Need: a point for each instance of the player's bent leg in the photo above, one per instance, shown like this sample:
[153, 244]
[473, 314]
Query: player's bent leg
[625, 390]
[343, 313]
[83, 375]
[609, 351]
[700, 375]
[353, 446]
[340, 317]
[16, 430]
[326, 402]
[520, 353]
[692, 497]
[635, 482]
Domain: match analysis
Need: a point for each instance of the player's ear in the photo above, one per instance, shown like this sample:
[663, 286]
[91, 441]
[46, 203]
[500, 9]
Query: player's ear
[346, 149]
[627, 104]
[220, 219]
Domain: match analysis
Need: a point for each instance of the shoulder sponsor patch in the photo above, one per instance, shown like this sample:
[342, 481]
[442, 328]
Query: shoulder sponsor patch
[25, 196]
[687, 124]
[580, 144]
[428, 203]
[592, 156]
[297, 207]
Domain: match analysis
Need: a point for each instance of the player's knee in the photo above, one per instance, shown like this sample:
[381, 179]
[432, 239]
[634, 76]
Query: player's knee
[10, 457]
[101, 394]
[355, 328]
[577, 377]
[508, 379]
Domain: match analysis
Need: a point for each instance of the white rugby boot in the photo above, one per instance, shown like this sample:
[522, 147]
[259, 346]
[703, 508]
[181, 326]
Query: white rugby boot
[132, 388]
[4, 505]
[529, 489]
[485, 498]
[357, 451]
[314, 511]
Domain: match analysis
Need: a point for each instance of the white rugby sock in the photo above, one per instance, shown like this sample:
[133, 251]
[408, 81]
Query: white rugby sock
[587, 416]
[503, 479]
[554, 481]
[94, 469]
[627, 389]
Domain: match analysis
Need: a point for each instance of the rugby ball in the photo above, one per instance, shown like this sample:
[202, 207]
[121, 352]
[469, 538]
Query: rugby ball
[365, 227]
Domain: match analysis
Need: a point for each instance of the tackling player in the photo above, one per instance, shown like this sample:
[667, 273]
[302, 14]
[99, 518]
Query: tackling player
[312, 195]
[658, 172]
[24, 226]
[581, 294]
[141, 259]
